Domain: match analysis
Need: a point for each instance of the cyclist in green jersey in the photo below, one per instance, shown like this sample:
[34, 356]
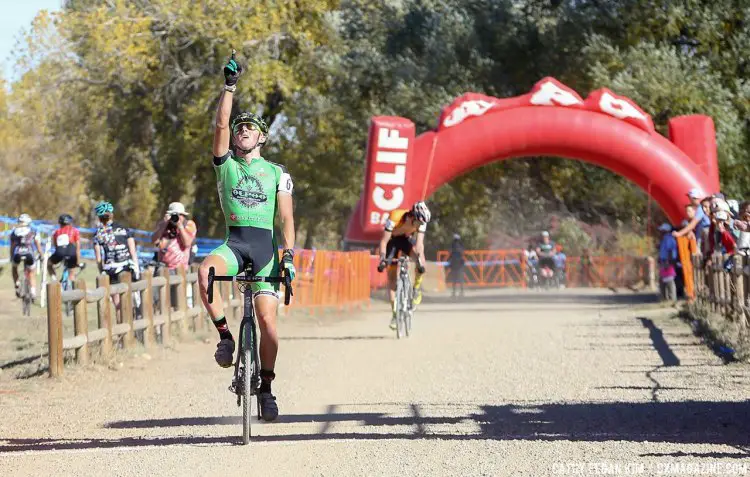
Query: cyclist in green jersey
[252, 191]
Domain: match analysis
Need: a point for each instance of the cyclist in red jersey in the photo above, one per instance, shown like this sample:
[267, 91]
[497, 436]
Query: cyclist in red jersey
[67, 242]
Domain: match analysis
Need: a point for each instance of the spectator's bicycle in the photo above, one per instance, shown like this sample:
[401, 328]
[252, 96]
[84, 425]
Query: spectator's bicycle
[246, 380]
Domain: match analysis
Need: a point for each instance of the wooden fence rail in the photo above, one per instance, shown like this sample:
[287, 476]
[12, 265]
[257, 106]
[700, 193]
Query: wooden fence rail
[147, 315]
[722, 286]
[157, 319]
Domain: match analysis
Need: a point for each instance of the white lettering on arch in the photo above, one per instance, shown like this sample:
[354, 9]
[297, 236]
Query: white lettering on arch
[619, 108]
[468, 108]
[550, 94]
[378, 197]
[390, 139]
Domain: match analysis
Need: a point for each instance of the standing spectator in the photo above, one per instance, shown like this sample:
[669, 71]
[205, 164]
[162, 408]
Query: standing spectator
[532, 260]
[667, 263]
[173, 237]
[587, 274]
[690, 211]
[720, 237]
[700, 222]
[456, 264]
[560, 261]
[743, 225]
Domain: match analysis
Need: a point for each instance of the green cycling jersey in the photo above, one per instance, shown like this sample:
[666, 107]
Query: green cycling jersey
[247, 192]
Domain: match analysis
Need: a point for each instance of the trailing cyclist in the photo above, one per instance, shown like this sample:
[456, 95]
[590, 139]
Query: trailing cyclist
[399, 237]
[67, 241]
[252, 191]
[546, 252]
[22, 242]
[114, 247]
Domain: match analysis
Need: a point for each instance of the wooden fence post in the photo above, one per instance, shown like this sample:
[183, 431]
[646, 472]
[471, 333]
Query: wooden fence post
[126, 311]
[166, 307]
[225, 292]
[81, 323]
[697, 275]
[182, 300]
[197, 300]
[714, 285]
[651, 274]
[54, 328]
[744, 312]
[739, 290]
[104, 310]
[147, 305]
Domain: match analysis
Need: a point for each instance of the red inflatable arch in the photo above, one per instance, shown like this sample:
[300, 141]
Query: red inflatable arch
[552, 120]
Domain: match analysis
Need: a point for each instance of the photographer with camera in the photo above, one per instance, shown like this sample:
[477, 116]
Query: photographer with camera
[173, 237]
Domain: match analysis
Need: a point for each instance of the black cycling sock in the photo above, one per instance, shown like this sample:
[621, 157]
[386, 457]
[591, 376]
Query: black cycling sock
[266, 377]
[223, 329]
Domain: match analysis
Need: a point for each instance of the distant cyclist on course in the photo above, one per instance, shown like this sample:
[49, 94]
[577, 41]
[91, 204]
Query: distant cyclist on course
[67, 241]
[398, 236]
[23, 239]
[252, 191]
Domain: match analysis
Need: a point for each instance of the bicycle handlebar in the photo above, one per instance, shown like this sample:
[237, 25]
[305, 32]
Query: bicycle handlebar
[284, 278]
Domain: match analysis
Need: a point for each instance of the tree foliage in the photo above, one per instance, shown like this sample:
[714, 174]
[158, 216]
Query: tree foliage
[117, 100]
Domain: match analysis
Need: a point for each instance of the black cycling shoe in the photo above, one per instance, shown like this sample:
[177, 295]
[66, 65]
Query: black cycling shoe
[269, 411]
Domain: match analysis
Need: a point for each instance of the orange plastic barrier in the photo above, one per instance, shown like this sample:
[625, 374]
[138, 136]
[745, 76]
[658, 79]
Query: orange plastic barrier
[508, 268]
[491, 268]
[331, 279]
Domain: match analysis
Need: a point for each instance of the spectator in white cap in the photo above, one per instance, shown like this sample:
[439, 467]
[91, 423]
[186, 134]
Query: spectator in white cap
[173, 237]
[700, 222]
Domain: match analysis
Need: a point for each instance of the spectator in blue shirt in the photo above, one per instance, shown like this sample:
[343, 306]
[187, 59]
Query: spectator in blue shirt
[560, 259]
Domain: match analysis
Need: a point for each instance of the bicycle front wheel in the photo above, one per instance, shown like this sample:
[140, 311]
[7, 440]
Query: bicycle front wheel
[408, 310]
[247, 394]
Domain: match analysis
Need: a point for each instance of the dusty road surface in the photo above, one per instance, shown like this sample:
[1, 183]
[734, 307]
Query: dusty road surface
[501, 383]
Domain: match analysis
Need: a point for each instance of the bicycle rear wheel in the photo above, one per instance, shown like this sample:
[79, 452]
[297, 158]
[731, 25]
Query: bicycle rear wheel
[67, 285]
[26, 298]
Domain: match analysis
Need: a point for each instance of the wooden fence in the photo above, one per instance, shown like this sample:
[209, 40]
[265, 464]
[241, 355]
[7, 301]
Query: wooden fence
[722, 285]
[325, 280]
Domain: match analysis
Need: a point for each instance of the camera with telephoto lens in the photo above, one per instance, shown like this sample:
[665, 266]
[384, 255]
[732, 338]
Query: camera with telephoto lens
[174, 218]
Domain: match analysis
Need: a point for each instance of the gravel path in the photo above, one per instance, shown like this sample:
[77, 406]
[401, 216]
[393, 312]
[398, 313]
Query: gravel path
[501, 383]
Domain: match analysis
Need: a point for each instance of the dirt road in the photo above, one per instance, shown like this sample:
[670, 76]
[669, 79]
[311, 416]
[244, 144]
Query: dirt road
[501, 383]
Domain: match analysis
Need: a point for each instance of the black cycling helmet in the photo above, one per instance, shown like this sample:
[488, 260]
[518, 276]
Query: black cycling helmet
[249, 118]
[65, 219]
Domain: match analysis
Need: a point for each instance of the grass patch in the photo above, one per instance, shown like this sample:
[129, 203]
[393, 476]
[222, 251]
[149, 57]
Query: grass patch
[727, 339]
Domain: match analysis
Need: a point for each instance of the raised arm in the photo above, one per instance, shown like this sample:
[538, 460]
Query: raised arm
[232, 72]
[688, 228]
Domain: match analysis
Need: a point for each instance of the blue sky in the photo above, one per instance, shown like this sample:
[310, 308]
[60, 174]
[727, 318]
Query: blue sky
[16, 16]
